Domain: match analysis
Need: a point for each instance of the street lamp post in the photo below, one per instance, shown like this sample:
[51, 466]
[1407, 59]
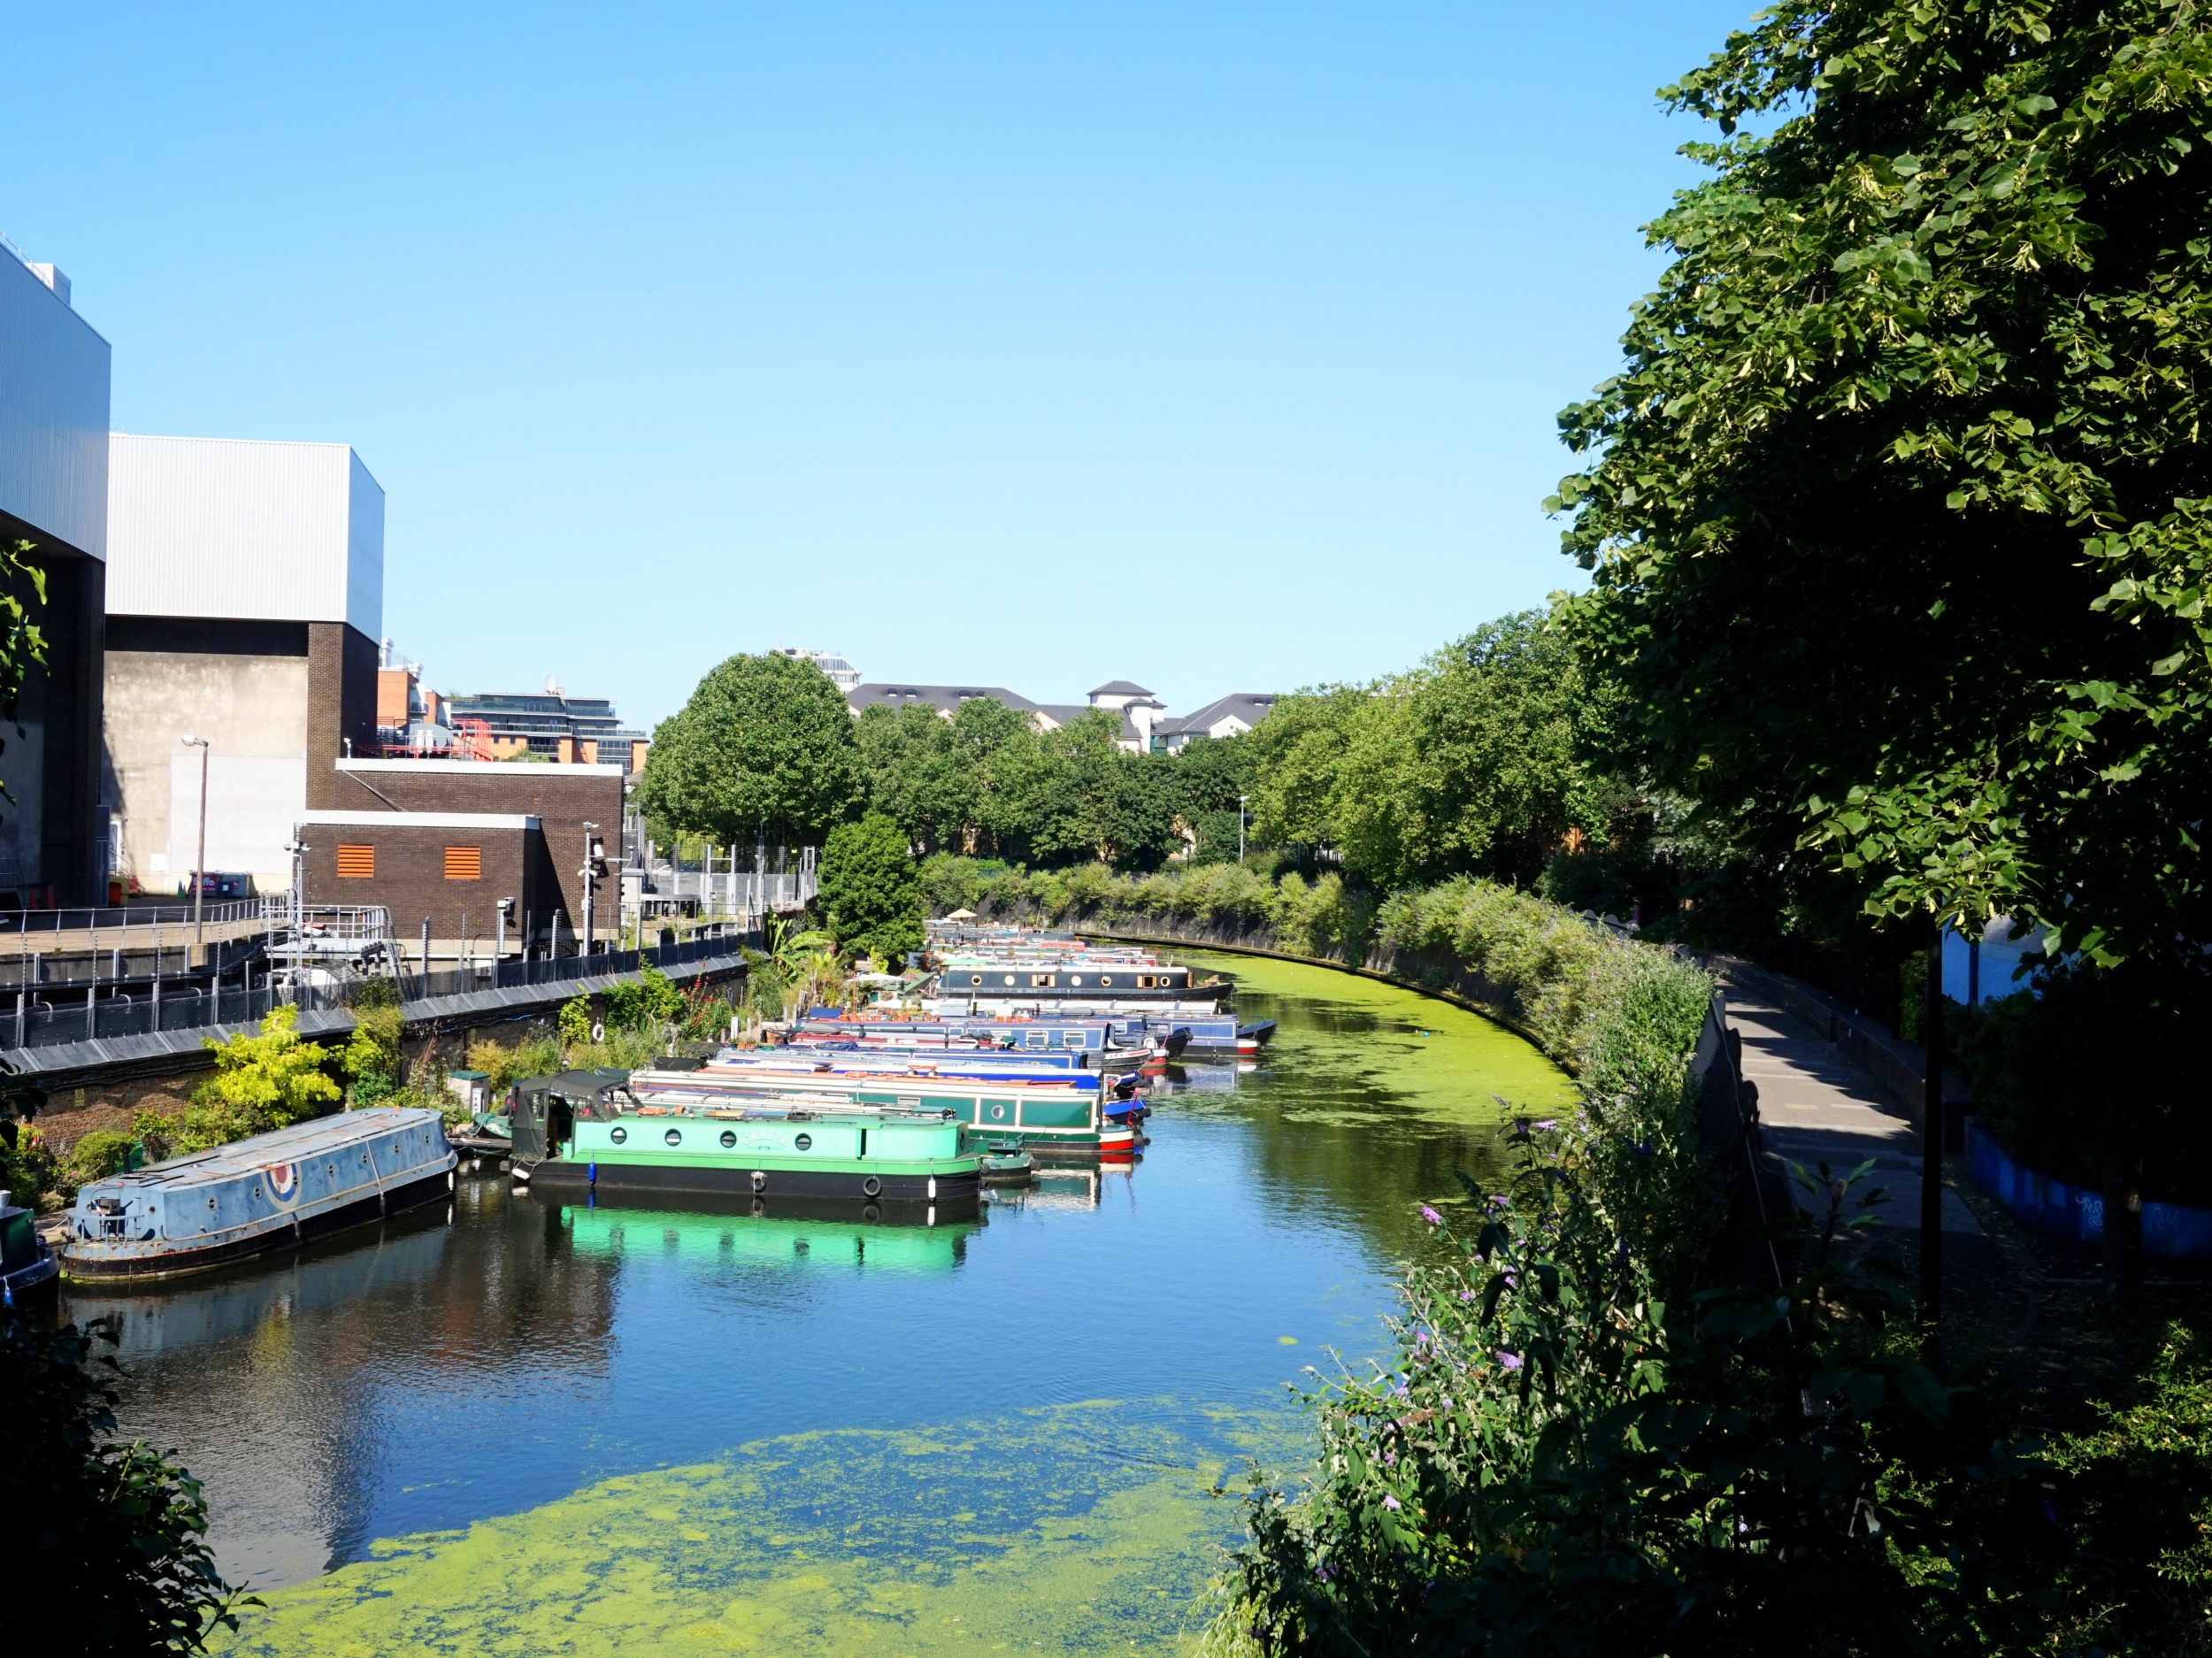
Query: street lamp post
[199, 861]
[590, 855]
[1240, 799]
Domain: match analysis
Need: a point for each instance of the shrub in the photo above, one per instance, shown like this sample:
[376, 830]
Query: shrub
[103, 1152]
[370, 1059]
[647, 1005]
[115, 1551]
[576, 1021]
[261, 1083]
[28, 1168]
[870, 891]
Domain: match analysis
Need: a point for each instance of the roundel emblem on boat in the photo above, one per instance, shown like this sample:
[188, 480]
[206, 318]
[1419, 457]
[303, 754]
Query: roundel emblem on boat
[284, 1181]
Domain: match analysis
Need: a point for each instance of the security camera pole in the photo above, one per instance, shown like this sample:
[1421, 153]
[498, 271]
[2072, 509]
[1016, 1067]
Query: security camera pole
[199, 863]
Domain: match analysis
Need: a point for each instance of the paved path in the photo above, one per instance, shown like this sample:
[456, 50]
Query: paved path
[1815, 1106]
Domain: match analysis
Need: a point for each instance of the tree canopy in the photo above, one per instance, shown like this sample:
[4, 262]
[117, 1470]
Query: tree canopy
[1897, 515]
[871, 891]
[765, 745]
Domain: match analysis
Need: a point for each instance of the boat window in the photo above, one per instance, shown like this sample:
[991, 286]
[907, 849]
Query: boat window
[729, 1138]
[617, 1133]
[805, 1142]
[1075, 978]
[674, 1136]
[1037, 979]
[1009, 979]
[1105, 978]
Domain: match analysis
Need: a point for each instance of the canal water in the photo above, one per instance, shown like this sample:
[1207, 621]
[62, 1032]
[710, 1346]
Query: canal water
[529, 1428]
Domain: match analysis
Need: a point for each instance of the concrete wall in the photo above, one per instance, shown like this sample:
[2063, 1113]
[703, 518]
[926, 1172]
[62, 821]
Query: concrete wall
[246, 690]
[53, 418]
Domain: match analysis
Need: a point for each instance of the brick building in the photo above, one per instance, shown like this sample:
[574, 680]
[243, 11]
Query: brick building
[449, 872]
[531, 847]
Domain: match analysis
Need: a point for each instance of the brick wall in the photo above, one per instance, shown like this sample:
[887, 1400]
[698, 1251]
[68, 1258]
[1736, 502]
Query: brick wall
[563, 798]
[410, 878]
[341, 669]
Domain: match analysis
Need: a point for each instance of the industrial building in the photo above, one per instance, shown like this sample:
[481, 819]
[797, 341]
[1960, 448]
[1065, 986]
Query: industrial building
[244, 601]
[441, 843]
[54, 372]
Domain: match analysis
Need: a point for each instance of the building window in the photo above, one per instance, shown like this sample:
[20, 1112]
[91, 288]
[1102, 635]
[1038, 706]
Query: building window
[357, 862]
[464, 864]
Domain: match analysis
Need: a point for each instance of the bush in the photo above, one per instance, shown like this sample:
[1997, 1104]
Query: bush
[27, 1168]
[371, 1059]
[576, 1021]
[103, 1152]
[111, 1543]
[647, 1005]
[261, 1082]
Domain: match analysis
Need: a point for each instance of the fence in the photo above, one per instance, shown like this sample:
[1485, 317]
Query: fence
[44, 1018]
[1871, 991]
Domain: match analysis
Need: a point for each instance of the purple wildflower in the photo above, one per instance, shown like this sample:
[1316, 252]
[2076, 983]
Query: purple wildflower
[1549, 1121]
[1511, 1360]
[1466, 1295]
[1390, 1502]
[1431, 1215]
[1402, 1390]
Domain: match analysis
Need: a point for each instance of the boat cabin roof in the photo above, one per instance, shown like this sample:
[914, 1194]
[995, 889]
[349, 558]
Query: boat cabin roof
[302, 1142]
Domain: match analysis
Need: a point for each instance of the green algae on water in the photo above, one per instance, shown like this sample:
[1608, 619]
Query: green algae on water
[1367, 1051]
[1088, 1528]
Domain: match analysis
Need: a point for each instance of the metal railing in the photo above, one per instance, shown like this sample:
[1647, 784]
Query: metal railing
[132, 918]
[46, 1016]
[1871, 991]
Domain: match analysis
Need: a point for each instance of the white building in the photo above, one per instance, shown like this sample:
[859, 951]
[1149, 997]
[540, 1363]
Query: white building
[842, 672]
[54, 494]
[245, 597]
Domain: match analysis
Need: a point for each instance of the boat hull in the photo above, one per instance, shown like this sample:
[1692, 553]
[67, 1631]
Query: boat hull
[559, 1176]
[430, 1188]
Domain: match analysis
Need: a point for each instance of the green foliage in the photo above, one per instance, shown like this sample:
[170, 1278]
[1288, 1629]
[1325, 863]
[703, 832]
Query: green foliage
[2136, 1491]
[650, 1003]
[103, 1152]
[110, 1545]
[576, 1021]
[28, 1168]
[765, 745]
[1897, 521]
[261, 1083]
[871, 893]
[537, 1055]
[372, 1049]
[22, 642]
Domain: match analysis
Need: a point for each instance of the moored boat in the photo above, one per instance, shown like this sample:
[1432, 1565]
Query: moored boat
[196, 1212]
[28, 1270]
[876, 1158]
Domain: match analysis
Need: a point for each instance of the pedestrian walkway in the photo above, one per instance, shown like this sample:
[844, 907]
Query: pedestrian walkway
[1814, 1106]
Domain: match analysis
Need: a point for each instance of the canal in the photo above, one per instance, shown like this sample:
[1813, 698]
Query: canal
[530, 1429]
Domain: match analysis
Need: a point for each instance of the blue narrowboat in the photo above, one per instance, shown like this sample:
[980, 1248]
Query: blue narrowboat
[282, 1187]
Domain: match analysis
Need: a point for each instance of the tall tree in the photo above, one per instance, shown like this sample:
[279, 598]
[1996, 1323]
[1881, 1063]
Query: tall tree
[871, 893]
[1898, 519]
[765, 744]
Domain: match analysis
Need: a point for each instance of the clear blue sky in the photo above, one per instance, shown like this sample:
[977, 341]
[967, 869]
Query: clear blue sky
[1212, 346]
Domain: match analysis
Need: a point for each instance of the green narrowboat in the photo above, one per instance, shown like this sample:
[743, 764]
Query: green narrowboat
[880, 1157]
[1045, 1119]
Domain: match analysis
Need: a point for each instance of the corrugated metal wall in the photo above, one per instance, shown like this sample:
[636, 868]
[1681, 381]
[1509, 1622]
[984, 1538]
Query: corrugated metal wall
[53, 413]
[232, 527]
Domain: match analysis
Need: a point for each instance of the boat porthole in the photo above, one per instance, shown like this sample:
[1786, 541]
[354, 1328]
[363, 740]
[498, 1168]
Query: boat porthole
[617, 1134]
[998, 1114]
[805, 1142]
[1076, 979]
[729, 1138]
[1009, 979]
[211, 1202]
[1105, 978]
[873, 1186]
[674, 1136]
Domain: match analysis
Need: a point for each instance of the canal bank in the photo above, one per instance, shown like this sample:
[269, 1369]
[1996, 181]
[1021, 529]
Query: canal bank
[1034, 1408]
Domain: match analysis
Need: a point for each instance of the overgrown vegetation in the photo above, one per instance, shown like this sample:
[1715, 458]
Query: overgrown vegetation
[871, 897]
[108, 1539]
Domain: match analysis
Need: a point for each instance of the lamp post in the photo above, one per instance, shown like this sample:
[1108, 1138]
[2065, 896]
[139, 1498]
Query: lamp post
[1240, 799]
[199, 861]
[591, 851]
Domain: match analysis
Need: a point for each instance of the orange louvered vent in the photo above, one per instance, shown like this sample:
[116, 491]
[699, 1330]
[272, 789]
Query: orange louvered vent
[357, 862]
[463, 864]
